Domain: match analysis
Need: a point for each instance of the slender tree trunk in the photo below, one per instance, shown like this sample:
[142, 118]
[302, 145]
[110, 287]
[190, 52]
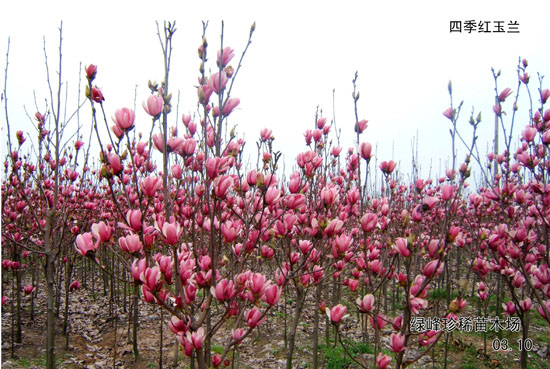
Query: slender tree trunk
[160, 334]
[66, 317]
[33, 294]
[18, 335]
[297, 313]
[135, 322]
[316, 327]
[50, 291]
[524, 336]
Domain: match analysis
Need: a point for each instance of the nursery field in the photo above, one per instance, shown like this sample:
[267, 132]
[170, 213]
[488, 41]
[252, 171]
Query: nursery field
[170, 248]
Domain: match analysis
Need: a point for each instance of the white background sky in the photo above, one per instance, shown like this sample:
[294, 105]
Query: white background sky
[301, 51]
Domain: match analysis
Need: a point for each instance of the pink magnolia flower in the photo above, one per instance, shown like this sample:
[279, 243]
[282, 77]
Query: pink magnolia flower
[84, 244]
[177, 325]
[151, 278]
[272, 195]
[224, 56]
[427, 338]
[217, 82]
[388, 166]
[253, 318]
[460, 303]
[186, 345]
[272, 294]
[397, 342]
[238, 334]
[124, 119]
[529, 133]
[138, 267]
[382, 361]
[526, 304]
[78, 144]
[524, 77]
[150, 185]
[448, 113]
[417, 303]
[75, 285]
[366, 303]
[401, 247]
[223, 184]
[340, 245]
[336, 314]
[434, 267]
[542, 275]
[230, 105]
[509, 308]
[131, 244]
[5, 300]
[544, 95]
[266, 134]
[504, 94]
[114, 161]
[541, 310]
[196, 338]
[158, 141]
[117, 131]
[91, 71]
[230, 231]
[397, 323]
[102, 231]
[188, 147]
[216, 360]
[172, 232]
[361, 126]
[224, 290]
[483, 295]
[256, 283]
[366, 150]
[447, 192]
[147, 295]
[133, 218]
[177, 171]
[28, 289]
[369, 222]
[267, 252]
[379, 321]
[97, 95]
[154, 105]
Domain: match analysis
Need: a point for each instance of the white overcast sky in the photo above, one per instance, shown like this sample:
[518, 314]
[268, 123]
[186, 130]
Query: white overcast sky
[301, 51]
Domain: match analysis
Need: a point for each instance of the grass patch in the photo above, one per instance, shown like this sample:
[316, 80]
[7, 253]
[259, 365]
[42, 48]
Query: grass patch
[336, 357]
[217, 349]
[441, 294]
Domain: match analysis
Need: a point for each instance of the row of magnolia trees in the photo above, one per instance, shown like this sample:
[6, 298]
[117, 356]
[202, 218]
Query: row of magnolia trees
[173, 218]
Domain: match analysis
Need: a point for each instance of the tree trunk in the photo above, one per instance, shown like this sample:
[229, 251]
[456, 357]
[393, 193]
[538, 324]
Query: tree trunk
[135, 322]
[50, 290]
[292, 336]
[316, 327]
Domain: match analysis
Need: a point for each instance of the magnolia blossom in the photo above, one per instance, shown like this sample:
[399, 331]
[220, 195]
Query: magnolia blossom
[28, 289]
[84, 244]
[124, 119]
[382, 361]
[366, 303]
[196, 338]
[238, 334]
[153, 106]
[397, 341]
[336, 314]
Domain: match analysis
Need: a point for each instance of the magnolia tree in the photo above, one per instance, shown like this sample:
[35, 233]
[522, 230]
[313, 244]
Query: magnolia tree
[174, 214]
